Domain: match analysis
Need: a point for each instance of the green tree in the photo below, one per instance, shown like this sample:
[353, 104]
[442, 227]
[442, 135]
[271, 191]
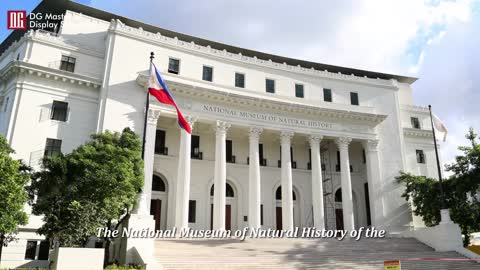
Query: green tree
[460, 191]
[14, 175]
[94, 186]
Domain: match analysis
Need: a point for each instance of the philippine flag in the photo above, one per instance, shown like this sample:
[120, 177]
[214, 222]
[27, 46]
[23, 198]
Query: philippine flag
[158, 89]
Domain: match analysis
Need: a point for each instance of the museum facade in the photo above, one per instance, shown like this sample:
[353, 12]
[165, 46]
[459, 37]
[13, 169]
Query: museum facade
[276, 142]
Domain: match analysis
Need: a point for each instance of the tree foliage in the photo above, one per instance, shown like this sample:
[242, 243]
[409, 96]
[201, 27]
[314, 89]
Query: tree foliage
[461, 191]
[92, 187]
[14, 175]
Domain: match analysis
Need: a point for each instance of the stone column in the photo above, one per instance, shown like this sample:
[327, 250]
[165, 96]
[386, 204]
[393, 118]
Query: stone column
[146, 194]
[183, 177]
[374, 181]
[254, 200]
[317, 184]
[346, 182]
[286, 180]
[220, 176]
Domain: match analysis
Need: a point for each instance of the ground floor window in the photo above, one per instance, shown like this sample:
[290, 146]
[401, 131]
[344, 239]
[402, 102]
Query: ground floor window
[37, 250]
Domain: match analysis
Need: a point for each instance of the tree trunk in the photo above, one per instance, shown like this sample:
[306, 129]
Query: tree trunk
[1, 246]
[106, 257]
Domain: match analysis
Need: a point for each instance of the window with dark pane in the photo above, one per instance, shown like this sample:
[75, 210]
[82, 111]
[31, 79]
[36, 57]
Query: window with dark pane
[207, 73]
[53, 147]
[240, 80]
[354, 98]
[44, 250]
[173, 66]
[31, 250]
[67, 63]
[261, 214]
[278, 194]
[270, 86]
[59, 111]
[327, 95]
[415, 122]
[299, 90]
[229, 190]
[160, 142]
[158, 184]
[420, 156]
[192, 211]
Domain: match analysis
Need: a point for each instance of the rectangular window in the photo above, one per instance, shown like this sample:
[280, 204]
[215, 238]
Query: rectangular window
[240, 80]
[327, 95]
[59, 111]
[31, 250]
[261, 214]
[160, 143]
[173, 66]
[420, 156]
[192, 211]
[44, 250]
[337, 168]
[364, 156]
[354, 98]
[195, 149]
[5, 107]
[299, 90]
[229, 151]
[269, 86]
[67, 63]
[415, 122]
[367, 204]
[207, 73]
[52, 147]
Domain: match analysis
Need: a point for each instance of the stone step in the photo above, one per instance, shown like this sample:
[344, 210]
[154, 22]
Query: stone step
[301, 253]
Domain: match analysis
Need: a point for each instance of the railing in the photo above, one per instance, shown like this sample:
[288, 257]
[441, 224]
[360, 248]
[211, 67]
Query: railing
[197, 155]
[161, 151]
[231, 159]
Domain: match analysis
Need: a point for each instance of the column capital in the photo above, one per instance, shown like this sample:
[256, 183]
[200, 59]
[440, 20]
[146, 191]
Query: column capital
[343, 141]
[191, 120]
[152, 116]
[221, 127]
[371, 145]
[254, 132]
[286, 136]
[315, 139]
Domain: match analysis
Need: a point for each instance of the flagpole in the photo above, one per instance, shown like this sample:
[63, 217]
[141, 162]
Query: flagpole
[152, 55]
[442, 196]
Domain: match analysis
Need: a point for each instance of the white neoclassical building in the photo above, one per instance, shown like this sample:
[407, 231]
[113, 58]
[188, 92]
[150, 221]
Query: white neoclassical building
[276, 142]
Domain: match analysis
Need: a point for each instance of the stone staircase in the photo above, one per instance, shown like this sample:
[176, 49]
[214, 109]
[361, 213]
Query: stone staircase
[299, 253]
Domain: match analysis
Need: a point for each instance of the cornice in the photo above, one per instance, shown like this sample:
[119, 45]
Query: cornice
[414, 108]
[266, 103]
[418, 133]
[116, 26]
[19, 67]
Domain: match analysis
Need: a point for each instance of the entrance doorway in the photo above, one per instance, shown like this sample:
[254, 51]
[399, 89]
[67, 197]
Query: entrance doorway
[278, 209]
[229, 207]
[339, 209]
[158, 203]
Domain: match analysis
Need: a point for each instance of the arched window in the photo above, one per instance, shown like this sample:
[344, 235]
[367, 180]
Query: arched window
[338, 195]
[158, 184]
[229, 191]
[278, 194]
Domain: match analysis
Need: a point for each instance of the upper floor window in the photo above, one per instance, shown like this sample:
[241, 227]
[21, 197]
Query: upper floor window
[420, 156]
[327, 95]
[173, 66]
[207, 73]
[52, 147]
[299, 90]
[5, 107]
[354, 98]
[269, 86]
[415, 122]
[33, 248]
[67, 63]
[239, 80]
[192, 211]
[160, 142]
[59, 111]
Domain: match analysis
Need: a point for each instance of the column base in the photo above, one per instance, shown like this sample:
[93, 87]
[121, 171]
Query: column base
[140, 250]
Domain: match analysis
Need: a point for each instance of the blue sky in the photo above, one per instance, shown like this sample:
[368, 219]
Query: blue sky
[434, 40]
